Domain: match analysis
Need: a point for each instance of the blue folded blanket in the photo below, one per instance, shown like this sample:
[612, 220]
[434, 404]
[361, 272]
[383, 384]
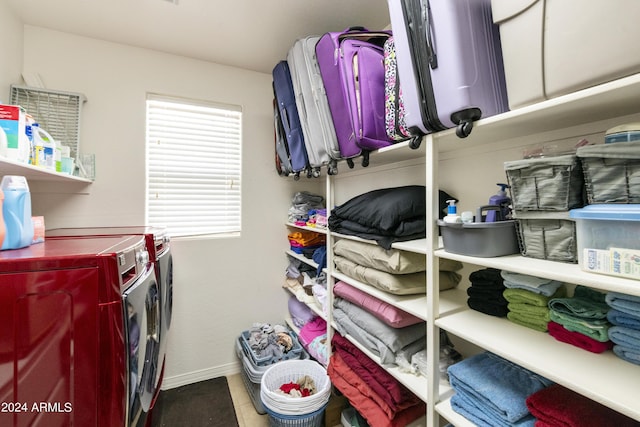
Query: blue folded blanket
[626, 337]
[469, 408]
[539, 285]
[629, 304]
[496, 386]
[620, 318]
[631, 355]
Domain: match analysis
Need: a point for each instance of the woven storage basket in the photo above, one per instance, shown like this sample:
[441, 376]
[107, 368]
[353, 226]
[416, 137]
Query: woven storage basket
[291, 371]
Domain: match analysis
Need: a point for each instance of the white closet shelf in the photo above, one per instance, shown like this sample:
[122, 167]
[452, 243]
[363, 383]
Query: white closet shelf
[444, 409]
[302, 258]
[606, 101]
[35, 173]
[314, 306]
[305, 227]
[565, 272]
[604, 377]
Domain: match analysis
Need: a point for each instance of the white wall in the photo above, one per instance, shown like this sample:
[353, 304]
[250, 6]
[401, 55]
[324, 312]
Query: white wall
[221, 286]
[11, 50]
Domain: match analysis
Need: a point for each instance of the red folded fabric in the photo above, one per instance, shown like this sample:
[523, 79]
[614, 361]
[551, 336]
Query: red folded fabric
[349, 384]
[577, 339]
[558, 406]
[382, 382]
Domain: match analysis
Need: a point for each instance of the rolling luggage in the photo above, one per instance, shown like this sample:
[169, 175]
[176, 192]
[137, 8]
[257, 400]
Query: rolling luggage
[288, 111]
[313, 108]
[352, 69]
[393, 101]
[449, 63]
[282, 160]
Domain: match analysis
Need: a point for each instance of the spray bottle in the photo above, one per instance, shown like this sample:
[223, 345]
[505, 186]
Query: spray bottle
[500, 199]
[452, 216]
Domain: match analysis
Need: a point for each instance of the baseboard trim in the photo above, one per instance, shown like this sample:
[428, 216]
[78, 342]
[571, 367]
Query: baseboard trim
[201, 375]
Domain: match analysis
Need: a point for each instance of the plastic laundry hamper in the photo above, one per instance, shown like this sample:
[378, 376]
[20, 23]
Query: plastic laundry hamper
[289, 411]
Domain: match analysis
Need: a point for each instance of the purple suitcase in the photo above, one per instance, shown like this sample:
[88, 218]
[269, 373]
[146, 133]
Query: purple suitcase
[449, 62]
[352, 69]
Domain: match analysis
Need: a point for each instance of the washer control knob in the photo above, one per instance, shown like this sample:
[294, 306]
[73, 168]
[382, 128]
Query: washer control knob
[142, 257]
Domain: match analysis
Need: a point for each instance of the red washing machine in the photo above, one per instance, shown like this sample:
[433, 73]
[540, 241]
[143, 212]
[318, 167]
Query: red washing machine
[79, 342]
[159, 247]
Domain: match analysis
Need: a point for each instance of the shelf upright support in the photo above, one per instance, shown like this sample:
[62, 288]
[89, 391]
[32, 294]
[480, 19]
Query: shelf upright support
[329, 185]
[433, 285]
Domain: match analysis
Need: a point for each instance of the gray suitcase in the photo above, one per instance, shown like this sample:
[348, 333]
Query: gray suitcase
[313, 107]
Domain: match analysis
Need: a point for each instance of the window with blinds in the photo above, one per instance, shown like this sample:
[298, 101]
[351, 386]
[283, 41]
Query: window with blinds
[193, 166]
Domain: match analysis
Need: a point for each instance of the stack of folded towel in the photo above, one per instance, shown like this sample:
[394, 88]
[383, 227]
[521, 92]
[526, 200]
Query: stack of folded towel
[624, 315]
[305, 242]
[559, 406]
[301, 204]
[491, 391]
[528, 298]
[485, 292]
[581, 320]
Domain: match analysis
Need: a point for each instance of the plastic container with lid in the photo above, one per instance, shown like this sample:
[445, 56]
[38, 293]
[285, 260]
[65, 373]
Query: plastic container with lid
[16, 211]
[45, 148]
[608, 238]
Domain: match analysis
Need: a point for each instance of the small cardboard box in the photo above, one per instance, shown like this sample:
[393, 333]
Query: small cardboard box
[12, 122]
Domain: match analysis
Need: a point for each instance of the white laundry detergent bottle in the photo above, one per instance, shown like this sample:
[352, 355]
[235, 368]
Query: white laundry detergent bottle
[16, 211]
[45, 147]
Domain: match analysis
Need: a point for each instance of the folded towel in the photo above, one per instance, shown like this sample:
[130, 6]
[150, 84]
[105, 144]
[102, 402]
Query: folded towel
[498, 309]
[466, 406]
[621, 318]
[624, 336]
[629, 304]
[593, 328]
[529, 315]
[523, 296]
[559, 406]
[497, 385]
[629, 354]
[585, 303]
[494, 295]
[577, 339]
[486, 276]
[538, 285]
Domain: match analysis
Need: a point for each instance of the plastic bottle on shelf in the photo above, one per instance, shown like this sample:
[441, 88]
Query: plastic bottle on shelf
[500, 199]
[16, 211]
[4, 144]
[452, 216]
[44, 147]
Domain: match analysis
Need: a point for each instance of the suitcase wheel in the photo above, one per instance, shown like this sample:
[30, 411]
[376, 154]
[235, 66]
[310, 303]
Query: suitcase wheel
[463, 130]
[296, 176]
[365, 159]
[316, 173]
[332, 169]
[350, 163]
[415, 142]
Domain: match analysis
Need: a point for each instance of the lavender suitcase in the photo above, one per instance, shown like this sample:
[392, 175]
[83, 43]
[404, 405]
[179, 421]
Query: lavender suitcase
[286, 103]
[313, 108]
[352, 69]
[449, 62]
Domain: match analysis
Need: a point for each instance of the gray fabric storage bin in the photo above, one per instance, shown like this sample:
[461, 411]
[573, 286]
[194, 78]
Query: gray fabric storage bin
[546, 183]
[611, 172]
[547, 236]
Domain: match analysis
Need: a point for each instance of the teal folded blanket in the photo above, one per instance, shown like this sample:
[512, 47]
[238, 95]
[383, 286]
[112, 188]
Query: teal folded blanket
[523, 296]
[586, 303]
[598, 329]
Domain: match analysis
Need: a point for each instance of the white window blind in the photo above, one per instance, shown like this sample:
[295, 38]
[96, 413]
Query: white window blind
[193, 166]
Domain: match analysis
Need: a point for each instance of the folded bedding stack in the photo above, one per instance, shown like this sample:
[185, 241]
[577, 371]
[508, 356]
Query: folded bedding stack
[394, 271]
[528, 298]
[371, 390]
[302, 204]
[559, 406]
[385, 215]
[581, 320]
[492, 392]
[313, 337]
[485, 292]
[624, 315]
[306, 242]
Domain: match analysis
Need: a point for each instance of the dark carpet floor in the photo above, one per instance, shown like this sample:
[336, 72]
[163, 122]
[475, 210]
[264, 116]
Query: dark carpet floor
[203, 404]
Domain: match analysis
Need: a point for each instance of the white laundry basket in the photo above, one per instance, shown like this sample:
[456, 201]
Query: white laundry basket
[295, 411]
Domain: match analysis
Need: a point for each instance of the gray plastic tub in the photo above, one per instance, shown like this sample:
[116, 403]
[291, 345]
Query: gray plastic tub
[480, 239]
